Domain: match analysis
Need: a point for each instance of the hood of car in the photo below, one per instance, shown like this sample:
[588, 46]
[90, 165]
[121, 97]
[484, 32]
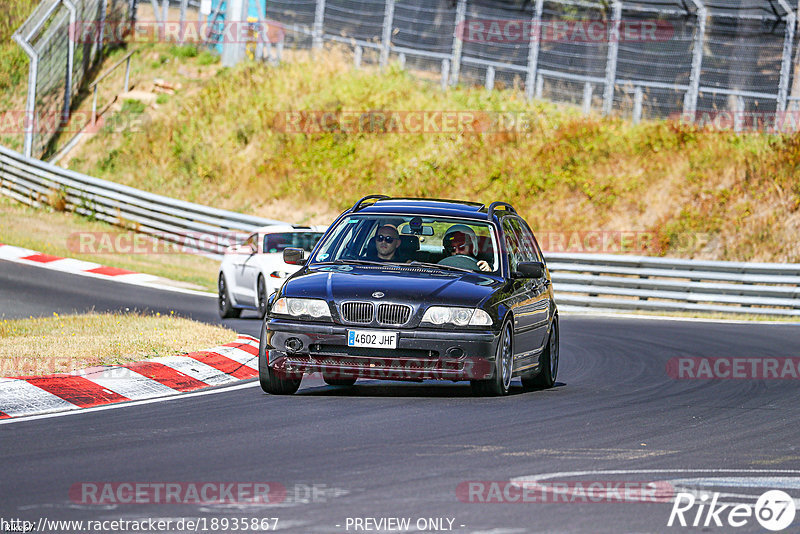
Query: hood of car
[401, 284]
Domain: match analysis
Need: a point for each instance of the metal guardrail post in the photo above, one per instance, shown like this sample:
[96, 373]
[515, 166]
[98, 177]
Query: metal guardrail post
[445, 73]
[587, 98]
[613, 53]
[458, 42]
[786, 61]
[690, 99]
[127, 74]
[358, 52]
[533, 51]
[71, 57]
[489, 78]
[638, 98]
[319, 20]
[386, 38]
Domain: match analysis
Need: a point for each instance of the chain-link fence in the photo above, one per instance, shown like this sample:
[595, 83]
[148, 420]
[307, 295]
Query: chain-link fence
[639, 58]
[54, 38]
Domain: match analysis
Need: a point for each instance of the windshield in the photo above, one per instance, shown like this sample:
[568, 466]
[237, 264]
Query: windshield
[278, 242]
[444, 242]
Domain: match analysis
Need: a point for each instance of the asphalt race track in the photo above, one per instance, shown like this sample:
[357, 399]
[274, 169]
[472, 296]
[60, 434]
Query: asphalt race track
[351, 458]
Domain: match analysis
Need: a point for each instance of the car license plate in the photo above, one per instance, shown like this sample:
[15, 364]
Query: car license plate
[372, 338]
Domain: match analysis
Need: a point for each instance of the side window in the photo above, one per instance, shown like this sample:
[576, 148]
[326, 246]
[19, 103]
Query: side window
[532, 248]
[512, 244]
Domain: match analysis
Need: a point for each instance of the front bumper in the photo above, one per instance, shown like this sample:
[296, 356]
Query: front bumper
[420, 354]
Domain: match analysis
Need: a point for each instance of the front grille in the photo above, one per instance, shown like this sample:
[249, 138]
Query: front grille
[357, 312]
[368, 352]
[393, 313]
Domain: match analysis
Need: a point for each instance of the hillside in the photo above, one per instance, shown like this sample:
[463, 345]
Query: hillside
[228, 142]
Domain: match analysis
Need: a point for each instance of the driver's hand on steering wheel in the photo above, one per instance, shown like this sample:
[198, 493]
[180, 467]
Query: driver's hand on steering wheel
[484, 266]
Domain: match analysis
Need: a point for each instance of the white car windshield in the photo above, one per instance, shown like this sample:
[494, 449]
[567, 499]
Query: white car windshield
[279, 241]
[404, 239]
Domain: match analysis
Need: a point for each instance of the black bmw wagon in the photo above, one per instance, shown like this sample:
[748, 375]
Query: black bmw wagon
[415, 289]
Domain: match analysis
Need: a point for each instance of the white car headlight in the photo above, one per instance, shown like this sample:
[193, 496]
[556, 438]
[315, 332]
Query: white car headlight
[316, 308]
[439, 315]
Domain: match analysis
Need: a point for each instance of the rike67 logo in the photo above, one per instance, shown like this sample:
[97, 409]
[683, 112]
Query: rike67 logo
[774, 510]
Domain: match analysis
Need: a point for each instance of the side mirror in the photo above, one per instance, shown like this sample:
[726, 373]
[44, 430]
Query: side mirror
[529, 269]
[294, 256]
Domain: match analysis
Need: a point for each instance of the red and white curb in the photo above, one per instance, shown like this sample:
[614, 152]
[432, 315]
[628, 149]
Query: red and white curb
[87, 268]
[159, 377]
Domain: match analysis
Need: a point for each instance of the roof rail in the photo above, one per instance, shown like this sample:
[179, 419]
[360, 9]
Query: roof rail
[501, 205]
[357, 206]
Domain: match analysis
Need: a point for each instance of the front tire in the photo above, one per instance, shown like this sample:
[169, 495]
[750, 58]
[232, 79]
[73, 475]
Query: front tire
[226, 309]
[271, 381]
[548, 363]
[500, 383]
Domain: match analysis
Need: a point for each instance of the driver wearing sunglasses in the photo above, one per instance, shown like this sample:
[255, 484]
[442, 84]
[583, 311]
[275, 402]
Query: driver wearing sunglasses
[387, 240]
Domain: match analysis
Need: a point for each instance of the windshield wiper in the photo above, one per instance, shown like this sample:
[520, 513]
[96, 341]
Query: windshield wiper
[440, 266]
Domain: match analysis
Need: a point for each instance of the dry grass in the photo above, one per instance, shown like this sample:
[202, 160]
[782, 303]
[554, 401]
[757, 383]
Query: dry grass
[222, 145]
[58, 234]
[38, 346]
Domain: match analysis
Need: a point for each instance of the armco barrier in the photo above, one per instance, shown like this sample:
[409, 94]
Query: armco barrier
[601, 281]
[623, 282]
[32, 182]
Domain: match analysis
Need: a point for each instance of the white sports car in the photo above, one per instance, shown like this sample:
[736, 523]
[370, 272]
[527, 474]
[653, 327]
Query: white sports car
[253, 270]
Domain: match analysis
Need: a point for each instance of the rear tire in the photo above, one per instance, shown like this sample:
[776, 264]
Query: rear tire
[500, 383]
[271, 381]
[262, 297]
[226, 309]
[548, 363]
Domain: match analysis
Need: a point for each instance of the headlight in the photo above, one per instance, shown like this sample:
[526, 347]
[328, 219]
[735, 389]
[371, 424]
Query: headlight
[315, 308]
[458, 316]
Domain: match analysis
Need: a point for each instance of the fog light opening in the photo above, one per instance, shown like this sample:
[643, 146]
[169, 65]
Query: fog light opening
[455, 352]
[293, 344]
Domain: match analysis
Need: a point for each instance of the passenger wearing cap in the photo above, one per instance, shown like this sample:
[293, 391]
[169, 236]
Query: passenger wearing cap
[460, 240]
[387, 240]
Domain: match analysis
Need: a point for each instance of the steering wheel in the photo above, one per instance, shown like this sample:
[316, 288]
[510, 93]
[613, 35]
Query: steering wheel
[461, 260]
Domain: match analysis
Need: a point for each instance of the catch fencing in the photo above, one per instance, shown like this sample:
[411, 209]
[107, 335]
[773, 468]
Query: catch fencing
[596, 281]
[694, 59]
[59, 62]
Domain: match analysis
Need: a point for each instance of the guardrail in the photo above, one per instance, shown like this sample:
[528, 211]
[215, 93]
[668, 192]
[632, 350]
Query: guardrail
[664, 284]
[207, 230]
[599, 281]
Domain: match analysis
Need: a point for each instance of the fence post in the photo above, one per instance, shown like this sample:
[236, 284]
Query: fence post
[183, 21]
[533, 50]
[690, 100]
[611, 62]
[319, 18]
[101, 37]
[73, 12]
[30, 106]
[539, 86]
[445, 72]
[386, 38]
[786, 62]
[638, 98]
[156, 10]
[235, 13]
[165, 16]
[458, 42]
